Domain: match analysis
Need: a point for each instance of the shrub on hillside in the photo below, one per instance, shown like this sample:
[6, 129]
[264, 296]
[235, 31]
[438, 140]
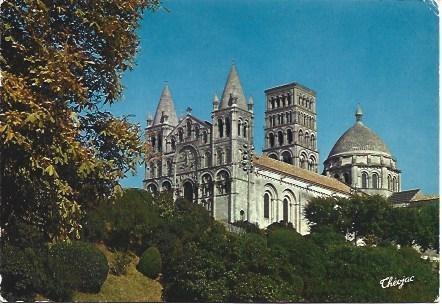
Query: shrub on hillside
[79, 263]
[23, 272]
[126, 223]
[150, 262]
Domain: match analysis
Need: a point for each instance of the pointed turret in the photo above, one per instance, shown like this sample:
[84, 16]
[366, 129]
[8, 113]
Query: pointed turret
[166, 109]
[233, 93]
[250, 104]
[215, 102]
[358, 114]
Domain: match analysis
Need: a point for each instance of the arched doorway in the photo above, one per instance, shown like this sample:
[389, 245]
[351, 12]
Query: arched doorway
[188, 191]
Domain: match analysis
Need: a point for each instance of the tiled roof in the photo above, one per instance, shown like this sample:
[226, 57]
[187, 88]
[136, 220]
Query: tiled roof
[302, 174]
[403, 196]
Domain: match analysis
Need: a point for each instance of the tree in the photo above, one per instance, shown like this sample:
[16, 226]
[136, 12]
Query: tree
[61, 62]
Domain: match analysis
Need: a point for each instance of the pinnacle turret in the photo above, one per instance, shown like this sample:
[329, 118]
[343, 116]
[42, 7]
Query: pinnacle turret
[358, 113]
[233, 92]
[166, 109]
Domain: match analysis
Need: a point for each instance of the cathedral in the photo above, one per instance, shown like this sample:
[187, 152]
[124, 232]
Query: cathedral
[213, 163]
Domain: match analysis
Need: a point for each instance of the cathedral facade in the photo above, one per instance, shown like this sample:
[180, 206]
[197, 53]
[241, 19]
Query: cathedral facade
[213, 163]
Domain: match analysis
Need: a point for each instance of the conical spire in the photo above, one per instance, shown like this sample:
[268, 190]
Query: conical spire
[358, 114]
[233, 93]
[166, 108]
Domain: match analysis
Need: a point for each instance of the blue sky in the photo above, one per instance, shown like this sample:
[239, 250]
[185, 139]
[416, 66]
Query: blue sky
[381, 54]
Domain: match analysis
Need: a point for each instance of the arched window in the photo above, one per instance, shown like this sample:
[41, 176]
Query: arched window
[271, 140]
[300, 137]
[205, 138]
[239, 127]
[291, 117]
[289, 99]
[278, 102]
[166, 186]
[273, 103]
[289, 136]
[303, 161]
[160, 143]
[279, 119]
[394, 184]
[153, 141]
[285, 210]
[207, 185]
[244, 130]
[173, 143]
[273, 156]
[152, 188]
[313, 142]
[389, 182]
[180, 135]
[223, 182]
[312, 163]
[306, 140]
[273, 120]
[364, 177]
[375, 180]
[266, 205]
[228, 127]
[280, 138]
[287, 157]
[189, 128]
[220, 128]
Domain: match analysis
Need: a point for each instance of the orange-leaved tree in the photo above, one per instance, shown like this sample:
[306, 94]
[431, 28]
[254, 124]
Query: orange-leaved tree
[61, 63]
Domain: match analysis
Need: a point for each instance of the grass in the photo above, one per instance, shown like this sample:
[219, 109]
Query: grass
[132, 287]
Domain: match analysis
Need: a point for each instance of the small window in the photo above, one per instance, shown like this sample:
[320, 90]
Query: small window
[364, 180]
[285, 210]
[220, 128]
[244, 131]
[189, 128]
[271, 140]
[228, 127]
[266, 205]
[280, 138]
[205, 138]
[289, 136]
[375, 181]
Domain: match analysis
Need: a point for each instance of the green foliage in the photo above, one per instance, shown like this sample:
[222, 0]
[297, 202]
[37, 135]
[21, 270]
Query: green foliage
[150, 262]
[354, 275]
[120, 263]
[125, 224]
[23, 272]
[376, 221]
[80, 264]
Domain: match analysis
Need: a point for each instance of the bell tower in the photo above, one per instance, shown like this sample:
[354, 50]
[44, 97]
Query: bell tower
[290, 126]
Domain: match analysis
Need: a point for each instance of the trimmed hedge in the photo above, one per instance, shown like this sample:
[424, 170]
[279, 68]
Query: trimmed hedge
[80, 263]
[150, 262]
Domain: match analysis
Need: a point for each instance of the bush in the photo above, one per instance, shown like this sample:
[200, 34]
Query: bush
[125, 224]
[80, 264]
[150, 262]
[23, 273]
[120, 263]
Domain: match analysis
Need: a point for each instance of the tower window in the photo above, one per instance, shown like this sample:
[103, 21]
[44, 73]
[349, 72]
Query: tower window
[173, 143]
[271, 140]
[228, 127]
[389, 182]
[289, 136]
[280, 138]
[220, 128]
[244, 130]
[239, 127]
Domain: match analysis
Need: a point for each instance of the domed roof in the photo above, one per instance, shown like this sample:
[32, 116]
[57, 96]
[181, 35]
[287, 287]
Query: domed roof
[359, 138]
